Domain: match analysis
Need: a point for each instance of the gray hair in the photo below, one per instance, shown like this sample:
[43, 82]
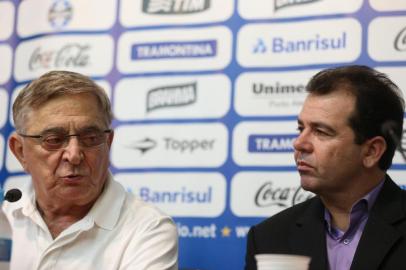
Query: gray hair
[54, 84]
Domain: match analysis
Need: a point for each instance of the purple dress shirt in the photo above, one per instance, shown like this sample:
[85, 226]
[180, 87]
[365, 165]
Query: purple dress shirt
[341, 245]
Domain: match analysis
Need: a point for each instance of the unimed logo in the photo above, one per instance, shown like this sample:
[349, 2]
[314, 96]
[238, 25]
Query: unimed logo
[171, 96]
[265, 89]
[271, 143]
[194, 49]
[174, 6]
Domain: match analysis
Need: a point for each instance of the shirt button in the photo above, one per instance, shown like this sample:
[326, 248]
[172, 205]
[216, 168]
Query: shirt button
[346, 241]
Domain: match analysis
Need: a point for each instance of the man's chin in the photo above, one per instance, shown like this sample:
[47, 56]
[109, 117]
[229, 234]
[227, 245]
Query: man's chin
[309, 183]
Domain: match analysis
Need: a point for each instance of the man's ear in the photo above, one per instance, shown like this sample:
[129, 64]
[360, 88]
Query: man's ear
[110, 138]
[16, 146]
[373, 151]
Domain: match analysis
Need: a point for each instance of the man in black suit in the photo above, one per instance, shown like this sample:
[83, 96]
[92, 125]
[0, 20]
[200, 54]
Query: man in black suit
[357, 220]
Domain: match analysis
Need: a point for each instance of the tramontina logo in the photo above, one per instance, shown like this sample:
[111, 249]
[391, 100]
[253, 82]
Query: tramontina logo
[174, 7]
[271, 143]
[279, 4]
[60, 13]
[180, 49]
[171, 96]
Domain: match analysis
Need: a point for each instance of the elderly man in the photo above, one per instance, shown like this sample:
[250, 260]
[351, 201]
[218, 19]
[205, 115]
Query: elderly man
[75, 216]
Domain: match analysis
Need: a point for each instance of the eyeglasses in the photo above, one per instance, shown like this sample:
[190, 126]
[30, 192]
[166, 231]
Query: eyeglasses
[53, 141]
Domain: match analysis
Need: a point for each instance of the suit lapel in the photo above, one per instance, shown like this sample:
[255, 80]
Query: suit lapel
[308, 235]
[379, 235]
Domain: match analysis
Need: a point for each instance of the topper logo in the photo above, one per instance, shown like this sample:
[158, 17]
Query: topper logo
[144, 145]
[168, 7]
[171, 96]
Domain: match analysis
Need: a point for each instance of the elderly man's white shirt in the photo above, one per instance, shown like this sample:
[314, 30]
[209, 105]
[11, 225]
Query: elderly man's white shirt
[119, 232]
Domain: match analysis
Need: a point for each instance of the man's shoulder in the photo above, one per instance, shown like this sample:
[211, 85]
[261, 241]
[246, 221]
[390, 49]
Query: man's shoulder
[139, 211]
[283, 219]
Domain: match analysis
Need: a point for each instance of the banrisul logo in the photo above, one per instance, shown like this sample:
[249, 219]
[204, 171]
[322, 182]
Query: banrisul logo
[271, 143]
[171, 96]
[174, 7]
[183, 195]
[279, 4]
[164, 50]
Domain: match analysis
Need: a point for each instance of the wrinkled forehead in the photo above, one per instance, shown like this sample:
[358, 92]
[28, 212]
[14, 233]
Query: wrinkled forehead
[68, 112]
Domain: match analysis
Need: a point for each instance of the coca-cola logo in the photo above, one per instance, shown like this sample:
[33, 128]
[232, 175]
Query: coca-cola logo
[69, 56]
[268, 195]
[400, 40]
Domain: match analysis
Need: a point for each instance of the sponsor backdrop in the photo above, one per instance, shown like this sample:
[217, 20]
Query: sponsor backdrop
[205, 95]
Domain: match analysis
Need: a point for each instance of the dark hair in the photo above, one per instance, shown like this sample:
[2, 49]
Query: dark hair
[377, 100]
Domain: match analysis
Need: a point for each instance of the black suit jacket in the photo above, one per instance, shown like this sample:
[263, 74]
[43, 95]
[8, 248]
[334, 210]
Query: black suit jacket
[301, 230]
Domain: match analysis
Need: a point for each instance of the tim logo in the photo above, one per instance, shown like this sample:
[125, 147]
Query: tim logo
[279, 4]
[171, 96]
[174, 7]
[271, 143]
[165, 50]
[60, 13]
[400, 40]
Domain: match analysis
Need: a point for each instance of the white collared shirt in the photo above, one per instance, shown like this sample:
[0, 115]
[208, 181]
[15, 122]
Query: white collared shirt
[119, 232]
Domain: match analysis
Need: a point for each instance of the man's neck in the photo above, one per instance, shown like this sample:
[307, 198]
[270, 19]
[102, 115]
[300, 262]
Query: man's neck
[58, 219]
[340, 204]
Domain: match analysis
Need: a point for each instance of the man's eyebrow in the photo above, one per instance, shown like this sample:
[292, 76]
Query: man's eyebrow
[324, 126]
[89, 128]
[63, 130]
[53, 130]
[318, 124]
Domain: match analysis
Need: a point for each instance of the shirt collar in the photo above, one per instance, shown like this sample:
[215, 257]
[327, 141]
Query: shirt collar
[362, 206]
[105, 212]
